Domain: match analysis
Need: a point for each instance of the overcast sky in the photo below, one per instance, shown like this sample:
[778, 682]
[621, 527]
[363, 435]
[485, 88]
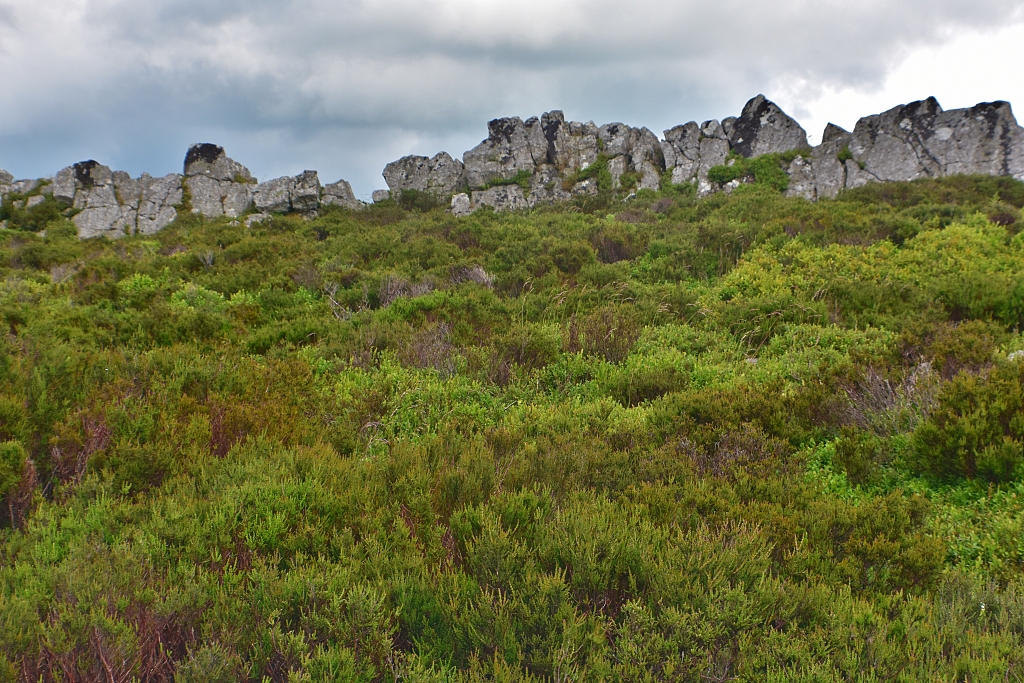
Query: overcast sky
[346, 86]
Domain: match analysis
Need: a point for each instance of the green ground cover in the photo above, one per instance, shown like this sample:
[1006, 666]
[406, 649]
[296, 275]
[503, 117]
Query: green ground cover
[744, 437]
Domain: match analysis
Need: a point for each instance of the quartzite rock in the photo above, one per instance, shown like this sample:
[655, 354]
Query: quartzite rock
[299, 193]
[546, 186]
[341, 194]
[714, 148]
[921, 140]
[632, 150]
[6, 180]
[440, 175]
[802, 180]
[157, 204]
[218, 185]
[573, 145]
[112, 204]
[681, 150]
[763, 128]
[508, 150]
[461, 205]
[829, 170]
[379, 196]
[100, 213]
[501, 197]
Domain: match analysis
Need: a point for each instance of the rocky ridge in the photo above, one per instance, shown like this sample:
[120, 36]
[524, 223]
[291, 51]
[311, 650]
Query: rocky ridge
[106, 203]
[545, 159]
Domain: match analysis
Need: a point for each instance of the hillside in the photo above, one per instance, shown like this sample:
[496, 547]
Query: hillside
[635, 436]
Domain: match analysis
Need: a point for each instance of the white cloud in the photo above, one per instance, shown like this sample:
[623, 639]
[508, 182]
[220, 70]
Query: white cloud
[348, 85]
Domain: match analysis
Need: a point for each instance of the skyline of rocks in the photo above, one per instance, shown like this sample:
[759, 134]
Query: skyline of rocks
[543, 159]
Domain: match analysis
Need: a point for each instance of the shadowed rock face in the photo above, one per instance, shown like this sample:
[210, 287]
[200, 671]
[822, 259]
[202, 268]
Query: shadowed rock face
[763, 128]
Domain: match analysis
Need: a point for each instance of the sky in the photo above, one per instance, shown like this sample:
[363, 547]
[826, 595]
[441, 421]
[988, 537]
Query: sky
[345, 86]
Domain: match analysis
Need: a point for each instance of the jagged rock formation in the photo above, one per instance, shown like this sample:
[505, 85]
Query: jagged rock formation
[523, 163]
[105, 203]
[440, 175]
[916, 140]
[218, 185]
[282, 195]
[546, 159]
[341, 194]
[112, 204]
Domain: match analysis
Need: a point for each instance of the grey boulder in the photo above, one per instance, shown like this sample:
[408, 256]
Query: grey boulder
[461, 205]
[112, 204]
[512, 146]
[681, 151]
[340, 194]
[440, 175]
[300, 193]
[921, 140]
[218, 185]
[763, 128]
[501, 198]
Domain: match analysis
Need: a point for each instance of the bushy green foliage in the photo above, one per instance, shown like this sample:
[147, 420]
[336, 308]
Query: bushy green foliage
[768, 170]
[743, 437]
[976, 428]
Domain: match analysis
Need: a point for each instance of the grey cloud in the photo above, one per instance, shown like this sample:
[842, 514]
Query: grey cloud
[350, 85]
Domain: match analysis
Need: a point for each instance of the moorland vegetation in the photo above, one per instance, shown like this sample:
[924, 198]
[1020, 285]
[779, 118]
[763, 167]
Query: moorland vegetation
[742, 437]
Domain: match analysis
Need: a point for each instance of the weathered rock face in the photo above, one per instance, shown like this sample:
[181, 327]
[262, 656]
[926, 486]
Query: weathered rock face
[525, 163]
[501, 197]
[282, 195]
[921, 140]
[440, 175]
[341, 194]
[461, 205]
[681, 151]
[635, 150]
[512, 146]
[112, 204]
[571, 145]
[763, 128]
[218, 185]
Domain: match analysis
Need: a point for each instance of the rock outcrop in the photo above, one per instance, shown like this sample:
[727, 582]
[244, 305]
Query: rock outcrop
[112, 203]
[107, 203]
[440, 175]
[283, 195]
[340, 194]
[217, 185]
[763, 128]
[916, 140]
[547, 159]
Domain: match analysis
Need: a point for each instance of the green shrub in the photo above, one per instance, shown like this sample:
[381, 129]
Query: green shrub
[12, 466]
[768, 170]
[976, 429]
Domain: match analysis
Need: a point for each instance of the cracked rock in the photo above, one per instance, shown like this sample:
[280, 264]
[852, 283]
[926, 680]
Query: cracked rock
[763, 128]
[440, 176]
[300, 193]
[219, 185]
[340, 193]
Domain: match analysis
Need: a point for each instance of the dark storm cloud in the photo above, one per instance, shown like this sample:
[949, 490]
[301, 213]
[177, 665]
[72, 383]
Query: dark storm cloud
[346, 86]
